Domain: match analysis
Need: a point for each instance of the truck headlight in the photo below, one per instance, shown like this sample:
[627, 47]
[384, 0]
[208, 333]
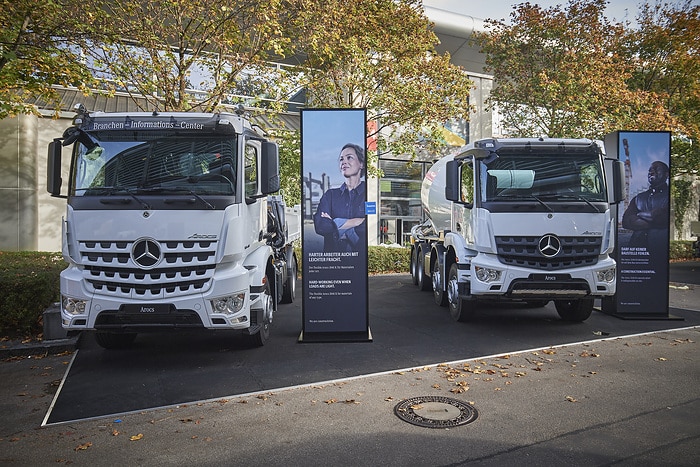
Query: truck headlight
[606, 275]
[73, 306]
[229, 304]
[487, 274]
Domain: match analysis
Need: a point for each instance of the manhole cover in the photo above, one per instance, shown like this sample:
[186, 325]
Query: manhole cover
[435, 412]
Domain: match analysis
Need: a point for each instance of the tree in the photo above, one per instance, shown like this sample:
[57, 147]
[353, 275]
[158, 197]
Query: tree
[40, 45]
[667, 63]
[161, 49]
[560, 72]
[380, 55]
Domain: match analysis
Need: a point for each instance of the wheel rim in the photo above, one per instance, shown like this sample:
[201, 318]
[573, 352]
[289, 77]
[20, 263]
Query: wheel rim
[437, 280]
[453, 292]
[293, 282]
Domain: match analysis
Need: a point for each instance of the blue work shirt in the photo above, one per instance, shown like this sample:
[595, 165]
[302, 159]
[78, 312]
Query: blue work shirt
[346, 204]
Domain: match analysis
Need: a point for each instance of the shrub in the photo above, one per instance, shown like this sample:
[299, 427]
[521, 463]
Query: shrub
[29, 283]
[681, 250]
[382, 260]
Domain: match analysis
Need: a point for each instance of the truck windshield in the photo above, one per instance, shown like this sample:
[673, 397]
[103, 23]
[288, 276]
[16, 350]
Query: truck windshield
[192, 164]
[562, 177]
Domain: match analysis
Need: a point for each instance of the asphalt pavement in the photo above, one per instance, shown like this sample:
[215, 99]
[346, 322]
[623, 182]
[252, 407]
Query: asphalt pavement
[603, 392]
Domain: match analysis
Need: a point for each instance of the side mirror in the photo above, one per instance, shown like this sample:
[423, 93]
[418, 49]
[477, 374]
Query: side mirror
[618, 181]
[459, 182]
[452, 182]
[270, 168]
[53, 168]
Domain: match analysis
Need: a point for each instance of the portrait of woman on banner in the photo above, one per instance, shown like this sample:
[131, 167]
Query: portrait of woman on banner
[340, 216]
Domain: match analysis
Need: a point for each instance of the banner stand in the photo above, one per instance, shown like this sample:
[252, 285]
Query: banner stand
[642, 234]
[326, 337]
[334, 240]
[608, 308]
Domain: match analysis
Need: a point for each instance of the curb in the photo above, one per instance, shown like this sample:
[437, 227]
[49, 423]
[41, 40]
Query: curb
[47, 347]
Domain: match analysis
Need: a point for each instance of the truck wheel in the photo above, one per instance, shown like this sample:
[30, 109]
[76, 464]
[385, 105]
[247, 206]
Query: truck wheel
[289, 292]
[461, 310]
[114, 340]
[423, 279]
[414, 265]
[263, 333]
[439, 295]
[574, 310]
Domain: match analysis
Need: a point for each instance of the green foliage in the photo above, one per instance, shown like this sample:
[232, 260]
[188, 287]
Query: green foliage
[681, 194]
[561, 72]
[290, 160]
[39, 43]
[383, 260]
[380, 55]
[681, 250]
[29, 283]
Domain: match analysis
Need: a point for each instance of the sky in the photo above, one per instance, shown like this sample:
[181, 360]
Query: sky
[618, 10]
[325, 132]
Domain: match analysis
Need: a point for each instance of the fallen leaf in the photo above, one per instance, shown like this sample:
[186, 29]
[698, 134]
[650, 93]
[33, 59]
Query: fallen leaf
[83, 446]
[571, 399]
[661, 359]
[136, 437]
[331, 401]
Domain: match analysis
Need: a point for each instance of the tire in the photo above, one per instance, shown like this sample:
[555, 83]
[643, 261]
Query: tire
[460, 309]
[114, 340]
[289, 292]
[414, 265]
[439, 295]
[424, 282]
[574, 310]
[262, 335]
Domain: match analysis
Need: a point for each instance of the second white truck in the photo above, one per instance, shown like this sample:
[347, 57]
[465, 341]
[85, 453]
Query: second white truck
[528, 220]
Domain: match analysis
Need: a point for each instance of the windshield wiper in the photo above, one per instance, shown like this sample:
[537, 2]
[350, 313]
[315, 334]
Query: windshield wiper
[114, 190]
[524, 198]
[182, 189]
[580, 198]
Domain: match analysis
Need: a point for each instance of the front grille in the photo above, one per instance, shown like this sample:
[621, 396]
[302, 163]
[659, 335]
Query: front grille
[523, 251]
[186, 267]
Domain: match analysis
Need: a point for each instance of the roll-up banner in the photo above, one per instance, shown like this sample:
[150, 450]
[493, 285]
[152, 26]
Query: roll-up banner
[335, 306]
[642, 243]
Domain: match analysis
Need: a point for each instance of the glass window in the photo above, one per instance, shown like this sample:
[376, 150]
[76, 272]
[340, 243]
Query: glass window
[251, 170]
[200, 165]
[531, 175]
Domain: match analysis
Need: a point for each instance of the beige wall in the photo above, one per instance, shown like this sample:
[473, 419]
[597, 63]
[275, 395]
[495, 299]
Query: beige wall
[51, 210]
[29, 218]
[18, 178]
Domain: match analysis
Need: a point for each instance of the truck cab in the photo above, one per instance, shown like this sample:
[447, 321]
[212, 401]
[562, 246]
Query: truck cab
[169, 224]
[521, 219]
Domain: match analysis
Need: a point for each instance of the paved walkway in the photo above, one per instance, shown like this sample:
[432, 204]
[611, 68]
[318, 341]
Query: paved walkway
[623, 401]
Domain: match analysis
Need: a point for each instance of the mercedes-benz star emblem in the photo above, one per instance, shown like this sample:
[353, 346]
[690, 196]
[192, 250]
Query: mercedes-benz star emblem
[146, 253]
[549, 245]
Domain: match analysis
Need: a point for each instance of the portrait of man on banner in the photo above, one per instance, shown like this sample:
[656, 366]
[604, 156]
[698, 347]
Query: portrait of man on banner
[645, 218]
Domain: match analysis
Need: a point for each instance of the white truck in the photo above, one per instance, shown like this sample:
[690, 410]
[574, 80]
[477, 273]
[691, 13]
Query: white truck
[528, 220]
[172, 223]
